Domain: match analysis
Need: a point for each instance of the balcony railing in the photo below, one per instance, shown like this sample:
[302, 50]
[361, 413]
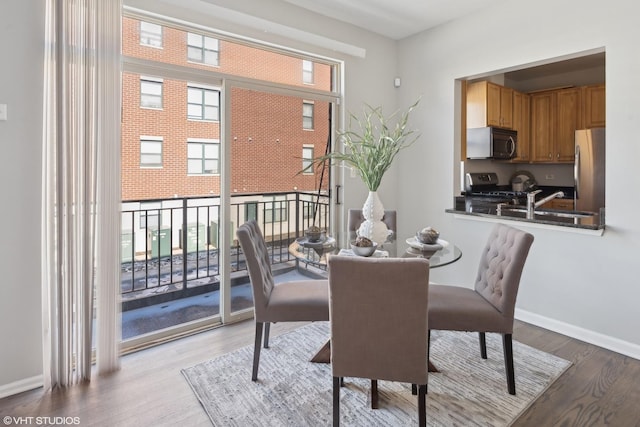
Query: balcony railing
[170, 246]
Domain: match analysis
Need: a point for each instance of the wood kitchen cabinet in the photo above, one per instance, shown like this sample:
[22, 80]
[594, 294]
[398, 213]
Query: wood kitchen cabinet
[521, 123]
[489, 104]
[555, 116]
[560, 204]
[593, 106]
[543, 113]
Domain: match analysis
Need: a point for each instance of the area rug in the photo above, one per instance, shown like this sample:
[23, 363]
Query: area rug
[292, 391]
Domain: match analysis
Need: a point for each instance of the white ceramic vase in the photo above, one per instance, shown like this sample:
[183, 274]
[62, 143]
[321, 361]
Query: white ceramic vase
[373, 211]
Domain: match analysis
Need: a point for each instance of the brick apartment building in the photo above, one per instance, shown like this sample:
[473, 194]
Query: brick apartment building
[171, 128]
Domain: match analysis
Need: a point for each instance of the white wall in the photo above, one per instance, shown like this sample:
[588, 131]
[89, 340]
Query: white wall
[582, 285]
[21, 47]
[369, 79]
[583, 282]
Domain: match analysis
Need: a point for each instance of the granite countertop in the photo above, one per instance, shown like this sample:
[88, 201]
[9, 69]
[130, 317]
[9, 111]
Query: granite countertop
[590, 221]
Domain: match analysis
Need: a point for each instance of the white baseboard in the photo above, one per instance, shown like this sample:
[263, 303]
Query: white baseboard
[595, 338]
[20, 386]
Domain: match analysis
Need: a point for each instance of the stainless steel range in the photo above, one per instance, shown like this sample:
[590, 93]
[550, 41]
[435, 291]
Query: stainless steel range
[482, 193]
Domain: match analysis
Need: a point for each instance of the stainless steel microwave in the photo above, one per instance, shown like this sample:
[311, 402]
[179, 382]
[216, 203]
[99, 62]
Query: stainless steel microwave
[491, 143]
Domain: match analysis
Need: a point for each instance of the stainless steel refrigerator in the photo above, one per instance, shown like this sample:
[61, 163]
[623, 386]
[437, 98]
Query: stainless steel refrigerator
[589, 169]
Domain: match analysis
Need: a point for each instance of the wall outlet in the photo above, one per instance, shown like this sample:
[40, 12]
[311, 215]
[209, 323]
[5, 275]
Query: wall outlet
[549, 176]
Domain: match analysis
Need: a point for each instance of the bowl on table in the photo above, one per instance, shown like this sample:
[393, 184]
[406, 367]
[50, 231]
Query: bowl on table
[364, 250]
[313, 234]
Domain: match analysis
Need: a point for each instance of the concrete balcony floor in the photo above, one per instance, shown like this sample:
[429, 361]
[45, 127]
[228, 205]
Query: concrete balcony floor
[153, 318]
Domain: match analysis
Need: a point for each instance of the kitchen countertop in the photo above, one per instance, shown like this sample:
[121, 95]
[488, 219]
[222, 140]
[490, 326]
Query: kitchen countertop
[592, 222]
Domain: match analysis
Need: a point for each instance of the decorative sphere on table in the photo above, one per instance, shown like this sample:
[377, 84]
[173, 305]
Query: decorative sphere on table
[428, 235]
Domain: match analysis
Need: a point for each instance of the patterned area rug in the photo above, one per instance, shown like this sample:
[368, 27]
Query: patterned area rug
[291, 391]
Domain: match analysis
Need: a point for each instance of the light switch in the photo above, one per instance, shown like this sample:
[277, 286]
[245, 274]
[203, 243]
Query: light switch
[3, 111]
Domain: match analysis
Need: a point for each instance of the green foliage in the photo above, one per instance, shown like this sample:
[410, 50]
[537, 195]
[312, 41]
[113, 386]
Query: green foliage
[372, 143]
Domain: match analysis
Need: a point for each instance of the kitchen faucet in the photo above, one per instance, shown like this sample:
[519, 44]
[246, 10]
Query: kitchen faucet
[532, 204]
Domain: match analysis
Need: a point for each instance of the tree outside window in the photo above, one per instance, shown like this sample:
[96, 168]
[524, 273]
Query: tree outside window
[203, 49]
[203, 103]
[203, 157]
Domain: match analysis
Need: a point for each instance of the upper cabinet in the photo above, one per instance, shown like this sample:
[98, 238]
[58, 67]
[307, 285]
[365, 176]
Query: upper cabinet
[522, 124]
[593, 99]
[555, 116]
[489, 104]
[546, 121]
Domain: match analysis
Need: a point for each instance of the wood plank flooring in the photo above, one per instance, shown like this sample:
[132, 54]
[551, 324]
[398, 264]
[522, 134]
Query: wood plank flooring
[602, 388]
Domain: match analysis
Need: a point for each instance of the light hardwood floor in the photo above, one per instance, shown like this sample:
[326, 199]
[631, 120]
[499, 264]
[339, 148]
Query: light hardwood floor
[602, 388]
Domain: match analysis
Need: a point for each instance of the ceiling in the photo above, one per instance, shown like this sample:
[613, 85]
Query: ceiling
[395, 19]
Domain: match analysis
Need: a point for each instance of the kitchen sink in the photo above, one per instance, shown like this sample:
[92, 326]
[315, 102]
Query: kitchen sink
[543, 212]
[548, 215]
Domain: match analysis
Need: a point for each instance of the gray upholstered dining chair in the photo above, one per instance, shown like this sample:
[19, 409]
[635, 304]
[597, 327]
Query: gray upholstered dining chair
[490, 306]
[378, 311]
[292, 301]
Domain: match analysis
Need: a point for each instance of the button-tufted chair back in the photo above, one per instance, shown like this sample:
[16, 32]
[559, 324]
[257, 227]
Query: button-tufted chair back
[258, 264]
[501, 265]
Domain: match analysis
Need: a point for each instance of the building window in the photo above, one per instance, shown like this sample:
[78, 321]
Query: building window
[203, 157]
[203, 103]
[307, 159]
[150, 93]
[149, 215]
[150, 34]
[307, 72]
[275, 211]
[307, 115]
[150, 152]
[308, 210]
[203, 49]
[251, 211]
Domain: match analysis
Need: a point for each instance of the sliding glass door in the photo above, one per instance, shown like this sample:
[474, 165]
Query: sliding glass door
[215, 132]
[273, 134]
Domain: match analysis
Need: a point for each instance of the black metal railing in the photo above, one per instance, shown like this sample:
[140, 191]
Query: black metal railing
[171, 245]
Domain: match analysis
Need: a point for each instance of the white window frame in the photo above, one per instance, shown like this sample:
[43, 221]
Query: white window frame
[276, 210]
[306, 160]
[208, 49]
[203, 143]
[155, 83]
[151, 141]
[307, 72]
[308, 120]
[149, 37]
[204, 107]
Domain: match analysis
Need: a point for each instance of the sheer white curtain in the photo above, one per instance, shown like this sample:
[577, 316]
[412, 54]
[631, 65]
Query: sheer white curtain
[81, 189]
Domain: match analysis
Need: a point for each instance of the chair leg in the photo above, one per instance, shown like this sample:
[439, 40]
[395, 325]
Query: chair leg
[267, 327]
[256, 351]
[483, 345]
[507, 345]
[374, 394]
[336, 401]
[414, 389]
[422, 405]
